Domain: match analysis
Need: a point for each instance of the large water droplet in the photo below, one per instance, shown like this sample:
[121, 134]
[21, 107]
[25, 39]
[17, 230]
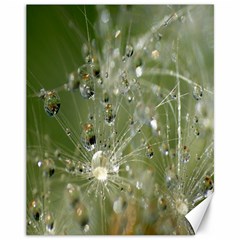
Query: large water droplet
[197, 92]
[100, 165]
[51, 103]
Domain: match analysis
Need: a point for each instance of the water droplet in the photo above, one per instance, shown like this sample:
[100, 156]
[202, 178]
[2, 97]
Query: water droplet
[69, 166]
[154, 124]
[174, 57]
[100, 164]
[89, 59]
[181, 207]
[49, 221]
[96, 71]
[81, 216]
[173, 94]
[105, 16]
[73, 81]
[118, 32]
[119, 205]
[139, 185]
[47, 166]
[105, 97]
[196, 132]
[164, 148]
[171, 177]
[130, 97]
[162, 203]
[73, 193]
[106, 74]
[86, 228]
[129, 50]
[68, 131]
[185, 156]
[155, 54]
[51, 103]
[88, 137]
[109, 115]
[35, 208]
[124, 83]
[197, 92]
[149, 151]
[86, 82]
[139, 71]
[195, 120]
[208, 186]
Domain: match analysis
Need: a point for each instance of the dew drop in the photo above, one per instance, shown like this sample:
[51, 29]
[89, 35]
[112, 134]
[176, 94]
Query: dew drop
[118, 32]
[119, 205]
[181, 207]
[153, 124]
[73, 81]
[139, 71]
[129, 50]
[139, 185]
[105, 97]
[49, 221]
[109, 115]
[89, 59]
[35, 208]
[208, 186]
[51, 103]
[88, 137]
[81, 216]
[155, 54]
[130, 97]
[73, 194]
[197, 92]
[196, 132]
[68, 132]
[100, 165]
[149, 152]
[185, 156]
[162, 203]
[174, 57]
[69, 166]
[125, 86]
[86, 82]
[164, 148]
[47, 166]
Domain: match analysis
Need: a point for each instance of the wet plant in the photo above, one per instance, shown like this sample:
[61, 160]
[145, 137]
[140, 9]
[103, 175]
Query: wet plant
[119, 118]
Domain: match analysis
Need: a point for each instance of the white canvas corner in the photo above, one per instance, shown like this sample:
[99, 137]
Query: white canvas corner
[195, 216]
